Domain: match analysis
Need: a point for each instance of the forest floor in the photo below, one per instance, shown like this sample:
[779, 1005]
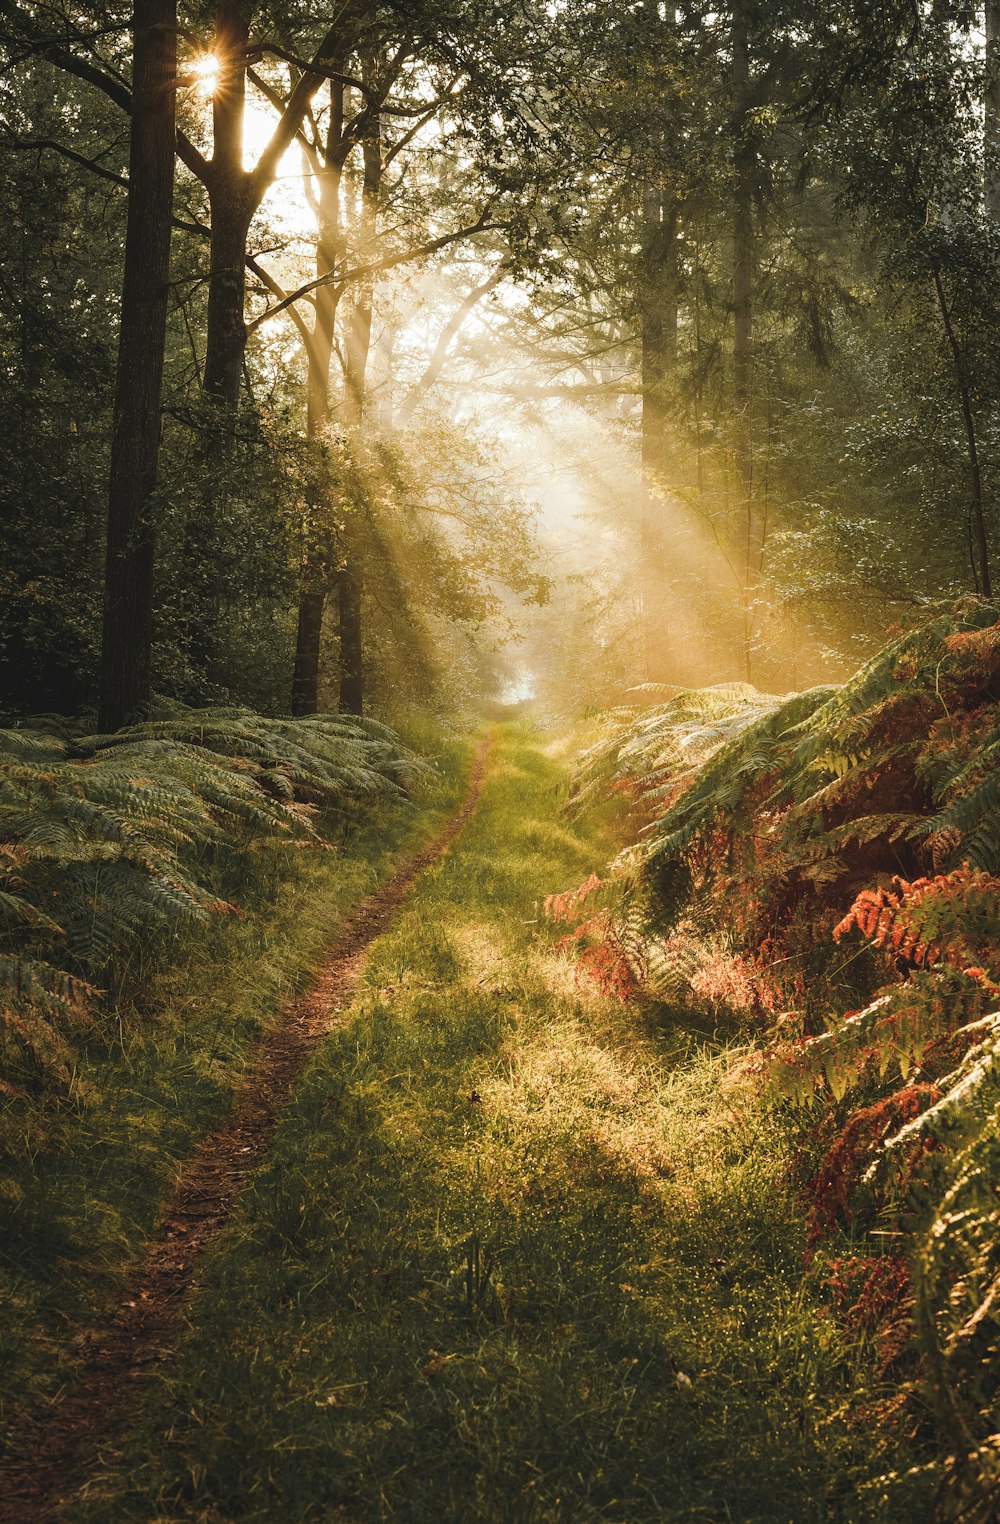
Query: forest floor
[514, 1251]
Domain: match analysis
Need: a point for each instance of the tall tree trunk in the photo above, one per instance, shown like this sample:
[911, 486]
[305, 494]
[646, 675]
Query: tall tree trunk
[230, 200]
[231, 211]
[350, 588]
[984, 582]
[308, 646]
[350, 584]
[234, 195]
[659, 320]
[659, 358]
[128, 591]
[743, 252]
[359, 329]
[658, 341]
[315, 572]
[991, 135]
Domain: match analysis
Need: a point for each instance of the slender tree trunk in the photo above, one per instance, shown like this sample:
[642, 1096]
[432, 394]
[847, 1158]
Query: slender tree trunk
[743, 164]
[743, 252]
[350, 584]
[349, 595]
[128, 593]
[659, 357]
[991, 135]
[985, 584]
[659, 321]
[658, 344]
[315, 571]
[234, 195]
[359, 329]
[230, 199]
[231, 211]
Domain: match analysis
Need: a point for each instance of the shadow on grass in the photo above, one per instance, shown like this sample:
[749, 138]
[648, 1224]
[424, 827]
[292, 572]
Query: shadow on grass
[513, 1256]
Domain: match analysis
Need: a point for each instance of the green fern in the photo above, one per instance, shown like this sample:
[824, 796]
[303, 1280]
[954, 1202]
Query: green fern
[103, 838]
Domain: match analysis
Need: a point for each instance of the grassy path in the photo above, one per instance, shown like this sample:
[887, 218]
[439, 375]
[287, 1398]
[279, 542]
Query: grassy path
[99, 1399]
[517, 1252]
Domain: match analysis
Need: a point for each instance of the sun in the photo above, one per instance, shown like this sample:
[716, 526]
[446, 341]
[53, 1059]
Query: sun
[205, 71]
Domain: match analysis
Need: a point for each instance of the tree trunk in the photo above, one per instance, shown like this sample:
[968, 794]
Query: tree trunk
[352, 687]
[743, 250]
[984, 582]
[308, 642]
[315, 570]
[128, 593]
[359, 329]
[350, 585]
[991, 135]
[231, 210]
[659, 357]
[743, 164]
[659, 320]
[226, 337]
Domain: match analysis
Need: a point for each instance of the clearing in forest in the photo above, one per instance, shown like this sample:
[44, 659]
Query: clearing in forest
[516, 1251]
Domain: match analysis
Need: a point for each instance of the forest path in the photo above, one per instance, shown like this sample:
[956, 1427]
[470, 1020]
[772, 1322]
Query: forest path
[516, 1251]
[44, 1462]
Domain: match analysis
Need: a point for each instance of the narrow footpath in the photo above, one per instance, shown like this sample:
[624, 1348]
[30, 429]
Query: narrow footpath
[482, 1244]
[42, 1468]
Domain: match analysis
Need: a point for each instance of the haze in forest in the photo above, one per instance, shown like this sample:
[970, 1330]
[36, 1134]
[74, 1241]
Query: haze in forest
[558, 350]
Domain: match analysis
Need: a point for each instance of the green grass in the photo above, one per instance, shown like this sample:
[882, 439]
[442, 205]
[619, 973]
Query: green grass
[82, 1177]
[519, 1253]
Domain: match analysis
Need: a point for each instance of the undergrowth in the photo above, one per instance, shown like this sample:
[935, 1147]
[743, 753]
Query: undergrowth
[519, 1252]
[85, 1165]
[822, 869]
[109, 841]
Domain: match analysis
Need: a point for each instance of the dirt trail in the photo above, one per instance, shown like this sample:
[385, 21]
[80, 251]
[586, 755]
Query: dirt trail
[47, 1456]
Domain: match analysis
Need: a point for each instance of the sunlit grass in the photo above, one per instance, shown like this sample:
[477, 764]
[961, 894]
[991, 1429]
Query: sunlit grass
[519, 1253]
[81, 1180]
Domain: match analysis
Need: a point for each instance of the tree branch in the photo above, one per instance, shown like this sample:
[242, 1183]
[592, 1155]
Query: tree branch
[268, 280]
[71, 154]
[361, 272]
[292, 118]
[437, 361]
[121, 95]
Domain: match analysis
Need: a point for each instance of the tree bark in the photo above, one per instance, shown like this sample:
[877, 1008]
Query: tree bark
[743, 164]
[350, 585]
[659, 320]
[234, 194]
[308, 645]
[359, 328]
[315, 572]
[352, 683]
[232, 207]
[743, 254]
[658, 360]
[991, 133]
[984, 584]
[128, 594]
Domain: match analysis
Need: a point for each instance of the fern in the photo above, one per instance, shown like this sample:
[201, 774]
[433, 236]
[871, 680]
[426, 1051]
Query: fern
[103, 838]
[841, 848]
